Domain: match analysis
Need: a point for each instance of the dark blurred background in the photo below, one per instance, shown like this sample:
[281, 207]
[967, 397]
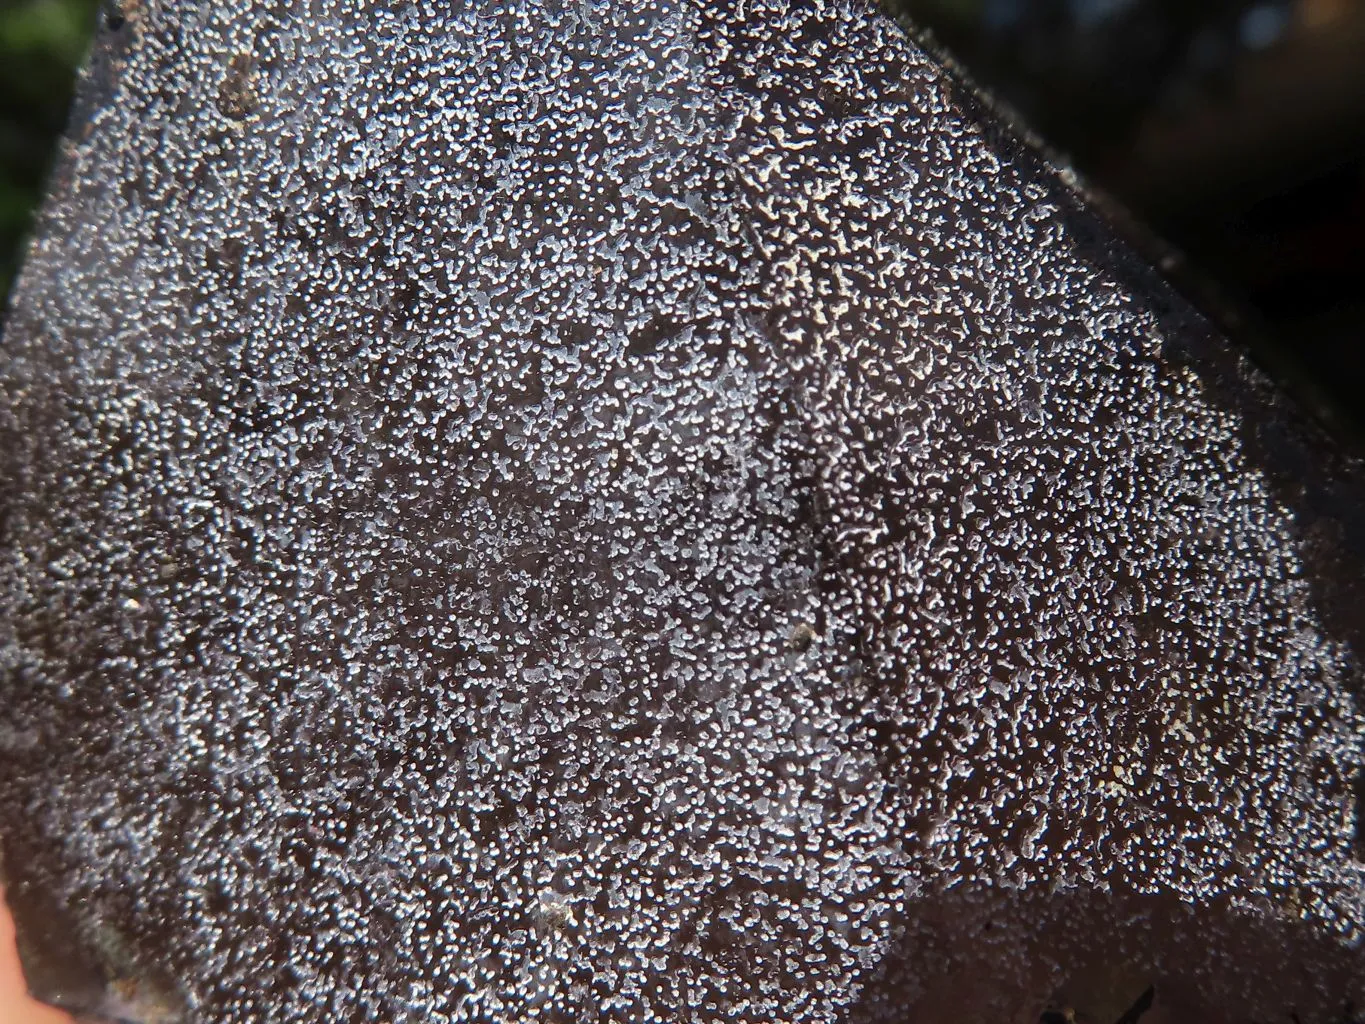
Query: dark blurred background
[1235, 129]
[42, 42]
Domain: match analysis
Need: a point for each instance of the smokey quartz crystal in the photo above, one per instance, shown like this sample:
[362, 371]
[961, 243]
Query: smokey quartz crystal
[670, 512]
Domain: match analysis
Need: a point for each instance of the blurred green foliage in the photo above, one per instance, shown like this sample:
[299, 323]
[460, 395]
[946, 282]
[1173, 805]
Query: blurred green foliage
[42, 43]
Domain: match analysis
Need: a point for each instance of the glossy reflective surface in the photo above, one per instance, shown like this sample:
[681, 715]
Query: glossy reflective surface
[590, 513]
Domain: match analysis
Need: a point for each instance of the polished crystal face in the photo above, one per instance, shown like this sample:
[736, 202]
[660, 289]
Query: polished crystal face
[602, 512]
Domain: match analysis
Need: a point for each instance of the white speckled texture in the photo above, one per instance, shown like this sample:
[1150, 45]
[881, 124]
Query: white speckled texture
[585, 513]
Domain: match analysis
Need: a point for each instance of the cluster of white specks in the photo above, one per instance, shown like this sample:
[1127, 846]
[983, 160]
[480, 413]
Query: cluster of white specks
[613, 512]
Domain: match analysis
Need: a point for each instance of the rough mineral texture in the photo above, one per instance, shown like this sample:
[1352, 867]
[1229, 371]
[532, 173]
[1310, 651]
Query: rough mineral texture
[613, 512]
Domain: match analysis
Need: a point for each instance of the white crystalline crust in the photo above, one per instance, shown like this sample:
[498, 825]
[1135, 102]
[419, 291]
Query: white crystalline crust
[608, 512]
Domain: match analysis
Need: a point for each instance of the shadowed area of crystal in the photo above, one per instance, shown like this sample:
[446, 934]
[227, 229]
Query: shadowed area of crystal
[89, 971]
[584, 513]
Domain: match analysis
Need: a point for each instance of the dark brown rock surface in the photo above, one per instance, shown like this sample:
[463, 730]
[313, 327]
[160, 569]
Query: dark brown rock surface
[586, 512]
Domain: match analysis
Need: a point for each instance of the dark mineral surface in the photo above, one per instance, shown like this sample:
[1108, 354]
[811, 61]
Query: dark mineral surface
[612, 512]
